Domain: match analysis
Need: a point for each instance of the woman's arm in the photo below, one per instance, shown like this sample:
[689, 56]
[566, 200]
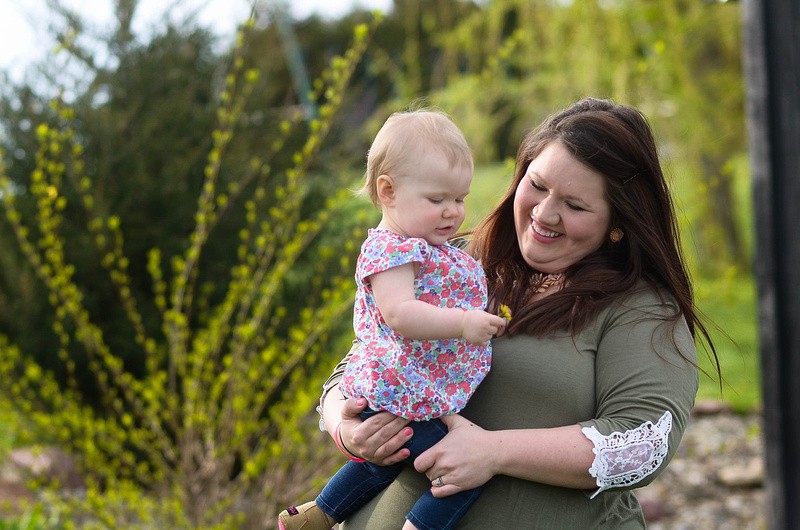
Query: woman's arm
[469, 456]
[645, 387]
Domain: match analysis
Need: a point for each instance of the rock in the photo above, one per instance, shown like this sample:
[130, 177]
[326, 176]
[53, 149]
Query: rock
[653, 507]
[46, 462]
[750, 475]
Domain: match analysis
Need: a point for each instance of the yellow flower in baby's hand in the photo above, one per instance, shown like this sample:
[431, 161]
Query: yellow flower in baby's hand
[505, 312]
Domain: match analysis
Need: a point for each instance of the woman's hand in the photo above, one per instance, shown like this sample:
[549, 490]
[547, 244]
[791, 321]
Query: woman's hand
[462, 458]
[379, 438]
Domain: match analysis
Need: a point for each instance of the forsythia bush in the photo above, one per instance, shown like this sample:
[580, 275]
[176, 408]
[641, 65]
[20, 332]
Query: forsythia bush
[216, 429]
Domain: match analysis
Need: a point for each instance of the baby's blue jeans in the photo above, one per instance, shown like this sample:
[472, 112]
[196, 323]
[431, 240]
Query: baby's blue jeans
[356, 483]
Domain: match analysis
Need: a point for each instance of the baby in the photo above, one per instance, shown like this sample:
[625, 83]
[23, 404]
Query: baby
[419, 314]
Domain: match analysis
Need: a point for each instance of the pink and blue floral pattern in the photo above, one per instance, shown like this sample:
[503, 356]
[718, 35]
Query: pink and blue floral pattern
[416, 379]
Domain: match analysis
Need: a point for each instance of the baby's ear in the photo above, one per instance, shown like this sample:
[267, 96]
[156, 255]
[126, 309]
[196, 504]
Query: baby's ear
[386, 189]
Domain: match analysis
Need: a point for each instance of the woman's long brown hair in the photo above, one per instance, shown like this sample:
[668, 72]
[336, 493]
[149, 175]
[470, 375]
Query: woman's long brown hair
[617, 142]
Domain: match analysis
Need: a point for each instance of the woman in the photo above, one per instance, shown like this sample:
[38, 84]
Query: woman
[592, 384]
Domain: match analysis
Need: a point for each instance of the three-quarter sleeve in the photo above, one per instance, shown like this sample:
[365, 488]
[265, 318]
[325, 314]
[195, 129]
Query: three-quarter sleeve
[332, 381]
[646, 382]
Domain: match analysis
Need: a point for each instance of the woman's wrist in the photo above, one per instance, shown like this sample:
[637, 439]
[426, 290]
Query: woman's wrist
[337, 436]
[496, 461]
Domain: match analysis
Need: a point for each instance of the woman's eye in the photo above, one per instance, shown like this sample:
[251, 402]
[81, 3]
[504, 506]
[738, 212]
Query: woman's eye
[536, 186]
[574, 207]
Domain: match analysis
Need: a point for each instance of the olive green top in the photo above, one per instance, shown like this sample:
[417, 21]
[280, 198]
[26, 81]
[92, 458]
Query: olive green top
[616, 375]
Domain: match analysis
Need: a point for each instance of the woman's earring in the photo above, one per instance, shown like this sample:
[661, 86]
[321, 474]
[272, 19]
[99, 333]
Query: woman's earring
[616, 235]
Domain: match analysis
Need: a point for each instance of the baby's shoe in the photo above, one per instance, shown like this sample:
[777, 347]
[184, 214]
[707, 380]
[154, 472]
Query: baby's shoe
[307, 516]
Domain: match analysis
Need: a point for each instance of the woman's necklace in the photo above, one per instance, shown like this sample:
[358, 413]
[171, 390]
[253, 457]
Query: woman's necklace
[542, 281]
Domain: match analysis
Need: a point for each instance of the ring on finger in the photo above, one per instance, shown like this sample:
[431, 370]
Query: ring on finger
[439, 482]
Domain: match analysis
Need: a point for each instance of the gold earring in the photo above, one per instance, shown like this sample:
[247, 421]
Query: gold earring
[616, 235]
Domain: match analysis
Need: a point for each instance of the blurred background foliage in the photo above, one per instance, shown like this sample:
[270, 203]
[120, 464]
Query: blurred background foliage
[146, 112]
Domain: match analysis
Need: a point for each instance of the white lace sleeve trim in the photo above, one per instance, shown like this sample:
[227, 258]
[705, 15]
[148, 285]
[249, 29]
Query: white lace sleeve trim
[625, 458]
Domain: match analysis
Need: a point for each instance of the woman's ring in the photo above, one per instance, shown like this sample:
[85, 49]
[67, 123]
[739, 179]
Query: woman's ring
[439, 482]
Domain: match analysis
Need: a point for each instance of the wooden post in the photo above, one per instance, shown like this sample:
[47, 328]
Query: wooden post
[772, 66]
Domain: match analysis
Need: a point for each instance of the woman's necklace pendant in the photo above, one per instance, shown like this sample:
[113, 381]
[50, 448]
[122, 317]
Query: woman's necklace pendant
[542, 281]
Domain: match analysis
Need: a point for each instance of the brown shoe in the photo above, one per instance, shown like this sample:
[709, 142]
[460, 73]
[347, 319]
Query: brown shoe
[307, 516]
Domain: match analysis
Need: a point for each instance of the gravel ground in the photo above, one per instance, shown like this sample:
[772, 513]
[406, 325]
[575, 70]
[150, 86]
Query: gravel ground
[715, 480]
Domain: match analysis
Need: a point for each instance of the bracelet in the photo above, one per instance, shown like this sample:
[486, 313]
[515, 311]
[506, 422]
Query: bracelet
[345, 451]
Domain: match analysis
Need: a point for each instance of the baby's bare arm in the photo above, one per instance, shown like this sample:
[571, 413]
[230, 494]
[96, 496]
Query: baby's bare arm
[394, 294]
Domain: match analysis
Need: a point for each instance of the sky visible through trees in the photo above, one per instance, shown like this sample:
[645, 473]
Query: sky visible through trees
[24, 36]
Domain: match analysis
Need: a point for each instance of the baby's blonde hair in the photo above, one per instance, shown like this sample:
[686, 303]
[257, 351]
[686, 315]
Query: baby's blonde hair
[407, 136]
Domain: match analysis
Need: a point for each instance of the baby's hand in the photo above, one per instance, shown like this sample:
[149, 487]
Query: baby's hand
[479, 326]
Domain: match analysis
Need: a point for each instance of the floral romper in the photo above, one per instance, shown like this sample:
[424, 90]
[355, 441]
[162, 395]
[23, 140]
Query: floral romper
[415, 379]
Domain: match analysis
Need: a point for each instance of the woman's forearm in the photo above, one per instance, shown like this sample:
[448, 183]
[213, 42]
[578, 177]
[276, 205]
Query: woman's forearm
[558, 456]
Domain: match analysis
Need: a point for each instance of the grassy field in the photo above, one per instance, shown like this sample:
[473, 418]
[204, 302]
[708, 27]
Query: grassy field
[728, 301]
[7, 435]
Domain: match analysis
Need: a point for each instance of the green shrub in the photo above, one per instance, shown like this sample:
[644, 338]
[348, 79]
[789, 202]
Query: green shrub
[214, 431]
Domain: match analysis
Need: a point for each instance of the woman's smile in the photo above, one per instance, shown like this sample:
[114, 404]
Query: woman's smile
[546, 235]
